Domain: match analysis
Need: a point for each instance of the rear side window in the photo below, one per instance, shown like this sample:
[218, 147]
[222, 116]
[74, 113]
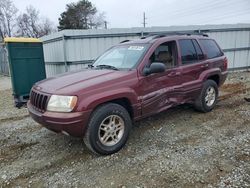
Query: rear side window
[198, 50]
[188, 52]
[211, 48]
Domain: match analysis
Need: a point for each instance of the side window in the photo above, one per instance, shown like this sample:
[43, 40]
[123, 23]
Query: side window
[211, 48]
[165, 53]
[188, 52]
[198, 50]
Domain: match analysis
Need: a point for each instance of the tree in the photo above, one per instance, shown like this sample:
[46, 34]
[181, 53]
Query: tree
[30, 24]
[81, 15]
[7, 18]
[46, 27]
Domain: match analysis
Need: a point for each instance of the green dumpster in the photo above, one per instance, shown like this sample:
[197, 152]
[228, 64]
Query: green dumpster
[26, 64]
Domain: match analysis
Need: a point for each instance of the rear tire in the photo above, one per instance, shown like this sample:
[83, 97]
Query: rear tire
[108, 129]
[208, 97]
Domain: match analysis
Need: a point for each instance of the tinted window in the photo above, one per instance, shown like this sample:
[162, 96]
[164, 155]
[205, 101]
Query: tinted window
[198, 50]
[211, 48]
[188, 53]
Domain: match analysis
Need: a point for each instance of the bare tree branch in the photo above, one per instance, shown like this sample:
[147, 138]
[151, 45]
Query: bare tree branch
[7, 18]
[31, 25]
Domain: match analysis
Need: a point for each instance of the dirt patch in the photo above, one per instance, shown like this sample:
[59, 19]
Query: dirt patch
[12, 152]
[14, 118]
[233, 87]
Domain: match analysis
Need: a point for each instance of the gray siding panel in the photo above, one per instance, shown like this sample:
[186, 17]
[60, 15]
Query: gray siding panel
[87, 45]
[53, 52]
[237, 59]
[52, 70]
[89, 48]
[230, 57]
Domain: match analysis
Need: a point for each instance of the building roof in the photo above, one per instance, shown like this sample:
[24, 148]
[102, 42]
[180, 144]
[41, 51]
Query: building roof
[92, 33]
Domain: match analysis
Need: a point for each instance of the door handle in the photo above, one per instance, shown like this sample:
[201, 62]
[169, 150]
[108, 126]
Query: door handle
[178, 73]
[204, 66]
[172, 74]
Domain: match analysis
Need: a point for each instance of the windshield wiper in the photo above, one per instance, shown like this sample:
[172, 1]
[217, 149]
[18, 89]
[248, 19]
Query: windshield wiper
[107, 67]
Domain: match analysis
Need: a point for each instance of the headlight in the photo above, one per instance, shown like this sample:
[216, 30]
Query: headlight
[58, 103]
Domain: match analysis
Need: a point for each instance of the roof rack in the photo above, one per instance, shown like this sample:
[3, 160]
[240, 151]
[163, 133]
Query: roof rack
[165, 34]
[124, 41]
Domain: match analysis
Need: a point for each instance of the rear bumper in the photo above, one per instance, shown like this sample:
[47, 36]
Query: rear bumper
[73, 123]
[223, 77]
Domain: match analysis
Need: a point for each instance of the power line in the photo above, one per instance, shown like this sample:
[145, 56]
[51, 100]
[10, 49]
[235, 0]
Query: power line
[187, 10]
[209, 13]
[225, 16]
[196, 9]
[198, 13]
[211, 8]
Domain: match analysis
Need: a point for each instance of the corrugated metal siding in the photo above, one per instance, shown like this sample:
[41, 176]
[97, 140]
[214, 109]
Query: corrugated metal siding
[90, 49]
[77, 67]
[54, 69]
[234, 40]
[230, 57]
[53, 52]
[83, 46]
[231, 39]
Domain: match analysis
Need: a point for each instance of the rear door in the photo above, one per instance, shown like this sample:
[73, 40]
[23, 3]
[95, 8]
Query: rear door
[192, 65]
[214, 53]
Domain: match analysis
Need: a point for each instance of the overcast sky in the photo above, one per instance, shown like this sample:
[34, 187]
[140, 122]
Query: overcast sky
[128, 13]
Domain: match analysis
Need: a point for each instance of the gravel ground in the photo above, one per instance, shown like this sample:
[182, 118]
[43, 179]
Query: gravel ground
[4, 83]
[7, 110]
[176, 148]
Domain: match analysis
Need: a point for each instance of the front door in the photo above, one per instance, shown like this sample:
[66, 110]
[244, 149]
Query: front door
[158, 90]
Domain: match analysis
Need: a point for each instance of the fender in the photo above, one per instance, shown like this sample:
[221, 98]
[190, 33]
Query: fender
[211, 72]
[92, 101]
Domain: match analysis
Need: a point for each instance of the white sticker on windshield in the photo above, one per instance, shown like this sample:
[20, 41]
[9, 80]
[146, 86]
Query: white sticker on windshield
[136, 47]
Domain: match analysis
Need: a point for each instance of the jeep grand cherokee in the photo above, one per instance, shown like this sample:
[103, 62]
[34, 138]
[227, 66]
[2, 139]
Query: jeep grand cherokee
[130, 81]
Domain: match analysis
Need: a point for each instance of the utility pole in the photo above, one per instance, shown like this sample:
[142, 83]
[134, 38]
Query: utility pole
[144, 20]
[105, 24]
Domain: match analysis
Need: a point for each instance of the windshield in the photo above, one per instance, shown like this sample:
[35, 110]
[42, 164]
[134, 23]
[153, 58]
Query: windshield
[121, 57]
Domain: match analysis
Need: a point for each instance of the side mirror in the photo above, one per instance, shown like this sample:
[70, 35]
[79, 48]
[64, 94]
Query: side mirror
[155, 67]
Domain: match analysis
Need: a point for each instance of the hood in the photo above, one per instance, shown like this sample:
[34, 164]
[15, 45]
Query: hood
[72, 82]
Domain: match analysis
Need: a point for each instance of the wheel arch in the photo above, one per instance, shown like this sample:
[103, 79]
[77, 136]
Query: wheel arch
[215, 78]
[212, 74]
[123, 101]
[127, 99]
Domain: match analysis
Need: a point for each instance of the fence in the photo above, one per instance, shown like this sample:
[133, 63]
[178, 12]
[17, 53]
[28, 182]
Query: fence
[75, 49]
[4, 65]
[69, 50]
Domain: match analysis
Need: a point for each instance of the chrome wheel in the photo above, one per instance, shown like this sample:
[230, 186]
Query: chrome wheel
[210, 96]
[111, 130]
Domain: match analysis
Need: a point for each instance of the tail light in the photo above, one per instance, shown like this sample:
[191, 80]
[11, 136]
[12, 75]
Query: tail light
[225, 63]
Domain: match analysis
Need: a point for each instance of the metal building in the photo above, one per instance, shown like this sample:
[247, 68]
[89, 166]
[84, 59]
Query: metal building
[73, 49]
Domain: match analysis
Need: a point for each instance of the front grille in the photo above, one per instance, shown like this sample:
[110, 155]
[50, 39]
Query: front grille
[38, 100]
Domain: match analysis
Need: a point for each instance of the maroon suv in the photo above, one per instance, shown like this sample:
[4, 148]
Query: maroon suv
[130, 81]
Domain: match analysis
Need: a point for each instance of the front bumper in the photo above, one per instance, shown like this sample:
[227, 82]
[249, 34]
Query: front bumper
[73, 123]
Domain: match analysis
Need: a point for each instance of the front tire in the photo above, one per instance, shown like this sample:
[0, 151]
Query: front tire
[208, 97]
[108, 129]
